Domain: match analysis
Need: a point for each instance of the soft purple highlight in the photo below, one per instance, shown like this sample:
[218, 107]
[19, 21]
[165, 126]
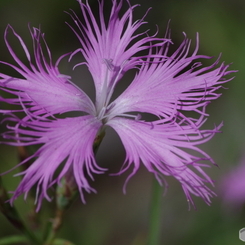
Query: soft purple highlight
[232, 186]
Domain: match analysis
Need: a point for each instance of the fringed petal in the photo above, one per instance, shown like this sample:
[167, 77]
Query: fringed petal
[109, 46]
[41, 87]
[164, 150]
[168, 84]
[67, 143]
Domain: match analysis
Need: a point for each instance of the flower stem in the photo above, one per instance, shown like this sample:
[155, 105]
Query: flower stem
[54, 227]
[155, 215]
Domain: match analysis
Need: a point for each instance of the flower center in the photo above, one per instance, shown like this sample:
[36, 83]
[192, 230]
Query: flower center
[106, 110]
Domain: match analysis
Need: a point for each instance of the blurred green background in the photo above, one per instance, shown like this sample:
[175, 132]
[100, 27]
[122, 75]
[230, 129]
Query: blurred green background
[110, 217]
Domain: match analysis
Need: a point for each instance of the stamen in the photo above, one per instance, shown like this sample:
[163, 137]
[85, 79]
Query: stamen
[109, 64]
[138, 117]
[103, 106]
[110, 106]
[111, 90]
[101, 114]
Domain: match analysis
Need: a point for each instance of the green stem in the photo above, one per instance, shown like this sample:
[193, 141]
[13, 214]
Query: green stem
[54, 227]
[13, 216]
[155, 215]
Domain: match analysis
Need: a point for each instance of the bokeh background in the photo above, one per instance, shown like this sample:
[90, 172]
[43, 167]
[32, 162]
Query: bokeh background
[110, 217]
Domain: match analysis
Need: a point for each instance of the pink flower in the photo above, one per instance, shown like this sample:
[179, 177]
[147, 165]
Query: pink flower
[233, 186]
[165, 85]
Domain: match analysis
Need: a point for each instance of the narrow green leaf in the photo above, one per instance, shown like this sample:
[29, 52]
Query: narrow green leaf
[13, 240]
[11, 213]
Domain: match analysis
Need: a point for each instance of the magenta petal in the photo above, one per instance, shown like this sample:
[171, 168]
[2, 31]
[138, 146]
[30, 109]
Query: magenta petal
[69, 140]
[42, 89]
[162, 150]
[165, 85]
[110, 46]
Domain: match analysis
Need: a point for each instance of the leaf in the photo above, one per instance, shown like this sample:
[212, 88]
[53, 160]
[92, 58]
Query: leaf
[61, 242]
[13, 240]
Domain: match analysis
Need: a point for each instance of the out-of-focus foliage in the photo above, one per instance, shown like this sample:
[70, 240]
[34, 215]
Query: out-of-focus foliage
[110, 217]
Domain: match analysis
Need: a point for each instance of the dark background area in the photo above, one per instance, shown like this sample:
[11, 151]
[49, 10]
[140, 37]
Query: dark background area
[110, 217]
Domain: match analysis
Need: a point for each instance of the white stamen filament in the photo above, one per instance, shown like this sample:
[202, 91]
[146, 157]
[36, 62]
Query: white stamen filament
[105, 110]
[111, 89]
[103, 97]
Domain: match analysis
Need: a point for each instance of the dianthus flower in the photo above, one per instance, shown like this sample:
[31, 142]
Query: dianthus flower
[165, 85]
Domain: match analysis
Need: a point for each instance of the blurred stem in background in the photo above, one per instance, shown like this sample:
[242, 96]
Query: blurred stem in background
[66, 193]
[155, 214]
